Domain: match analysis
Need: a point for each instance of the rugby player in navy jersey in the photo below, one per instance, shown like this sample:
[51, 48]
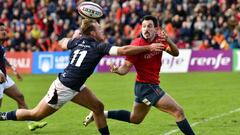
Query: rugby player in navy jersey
[7, 85]
[86, 52]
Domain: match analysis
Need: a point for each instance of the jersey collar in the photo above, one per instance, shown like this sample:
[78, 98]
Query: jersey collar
[88, 38]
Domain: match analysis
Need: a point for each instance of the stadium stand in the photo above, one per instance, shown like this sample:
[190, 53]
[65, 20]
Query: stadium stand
[36, 25]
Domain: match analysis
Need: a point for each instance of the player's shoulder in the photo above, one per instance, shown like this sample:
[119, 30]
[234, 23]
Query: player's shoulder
[89, 41]
[138, 41]
[84, 42]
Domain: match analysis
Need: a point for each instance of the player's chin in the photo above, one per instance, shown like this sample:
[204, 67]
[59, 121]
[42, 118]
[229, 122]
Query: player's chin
[147, 36]
[101, 39]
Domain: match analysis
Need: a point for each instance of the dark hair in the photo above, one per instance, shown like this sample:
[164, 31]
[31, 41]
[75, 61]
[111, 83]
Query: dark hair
[150, 17]
[1, 24]
[87, 27]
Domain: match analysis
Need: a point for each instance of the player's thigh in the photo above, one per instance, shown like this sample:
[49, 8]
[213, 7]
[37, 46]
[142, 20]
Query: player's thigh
[167, 104]
[58, 94]
[139, 111]
[10, 88]
[13, 92]
[87, 99]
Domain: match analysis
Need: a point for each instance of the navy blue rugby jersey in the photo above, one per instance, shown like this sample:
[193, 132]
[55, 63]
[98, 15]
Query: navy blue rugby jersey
[2, 60]
[84, 57]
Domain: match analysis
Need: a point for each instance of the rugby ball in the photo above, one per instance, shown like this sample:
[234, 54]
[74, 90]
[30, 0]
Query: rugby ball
[90, 10]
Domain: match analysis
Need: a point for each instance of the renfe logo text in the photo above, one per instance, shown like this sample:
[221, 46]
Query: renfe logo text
[216, 62]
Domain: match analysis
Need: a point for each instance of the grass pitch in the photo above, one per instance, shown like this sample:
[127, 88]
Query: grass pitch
[210, 101]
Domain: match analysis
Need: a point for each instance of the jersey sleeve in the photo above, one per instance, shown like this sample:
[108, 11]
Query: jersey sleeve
[104, 48]
[72, 43]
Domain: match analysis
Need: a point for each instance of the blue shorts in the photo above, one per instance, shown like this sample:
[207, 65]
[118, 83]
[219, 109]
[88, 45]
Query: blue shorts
[147, 93]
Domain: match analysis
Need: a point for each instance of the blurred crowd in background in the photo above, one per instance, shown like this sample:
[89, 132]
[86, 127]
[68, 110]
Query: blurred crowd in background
[37, 25]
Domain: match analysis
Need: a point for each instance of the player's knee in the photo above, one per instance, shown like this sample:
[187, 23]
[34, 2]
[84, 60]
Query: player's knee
[179, 113]
[36, 115]
[99, 107]
[136, 120]
[37, 118]
[20, 97]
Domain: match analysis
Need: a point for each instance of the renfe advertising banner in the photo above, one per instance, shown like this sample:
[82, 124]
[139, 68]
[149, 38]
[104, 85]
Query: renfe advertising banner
[169, 63]
[176, 64]
[21, 60]
[211, 61]
[236, 60]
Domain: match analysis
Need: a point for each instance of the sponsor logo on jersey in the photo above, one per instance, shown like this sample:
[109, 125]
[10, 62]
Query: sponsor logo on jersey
[150, 55]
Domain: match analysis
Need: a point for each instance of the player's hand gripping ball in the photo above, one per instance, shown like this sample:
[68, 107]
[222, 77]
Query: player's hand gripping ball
[90, 10]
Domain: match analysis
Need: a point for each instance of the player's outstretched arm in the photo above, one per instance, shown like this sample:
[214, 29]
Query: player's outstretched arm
[121, 70]
[133, 50]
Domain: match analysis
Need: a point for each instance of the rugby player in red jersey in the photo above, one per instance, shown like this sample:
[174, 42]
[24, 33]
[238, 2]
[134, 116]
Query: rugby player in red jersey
[147, 90]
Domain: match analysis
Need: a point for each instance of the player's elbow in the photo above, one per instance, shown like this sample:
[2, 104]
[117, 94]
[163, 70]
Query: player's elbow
[60, 43]
[63, 43]
[176, 53]
[173, 52]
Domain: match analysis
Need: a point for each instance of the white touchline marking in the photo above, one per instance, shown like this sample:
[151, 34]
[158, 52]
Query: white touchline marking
[205, 120]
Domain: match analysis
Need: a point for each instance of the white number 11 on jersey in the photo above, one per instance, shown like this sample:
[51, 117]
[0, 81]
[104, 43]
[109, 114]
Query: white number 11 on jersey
[80, 58]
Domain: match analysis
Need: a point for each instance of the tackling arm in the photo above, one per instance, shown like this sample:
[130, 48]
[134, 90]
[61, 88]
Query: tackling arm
[133, 50]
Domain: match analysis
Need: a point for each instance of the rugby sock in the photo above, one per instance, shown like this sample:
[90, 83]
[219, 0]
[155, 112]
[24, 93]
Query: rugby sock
[185, 127]
[8, 115]
[121, 115]
[104, 131]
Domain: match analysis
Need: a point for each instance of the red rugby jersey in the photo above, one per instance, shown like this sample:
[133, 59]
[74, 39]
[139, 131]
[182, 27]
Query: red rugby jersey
[147, 64]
